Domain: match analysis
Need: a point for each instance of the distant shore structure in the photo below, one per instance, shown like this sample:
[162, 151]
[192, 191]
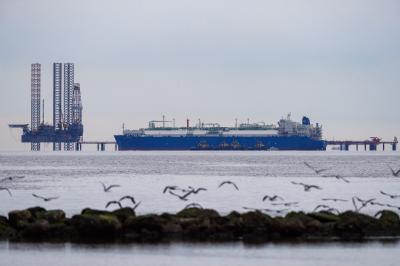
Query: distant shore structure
[67, 128]
[67, 125]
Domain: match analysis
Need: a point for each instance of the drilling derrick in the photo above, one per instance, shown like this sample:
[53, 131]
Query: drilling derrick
[77, 105]
[68, 97]
[57, 81]
[35, 103]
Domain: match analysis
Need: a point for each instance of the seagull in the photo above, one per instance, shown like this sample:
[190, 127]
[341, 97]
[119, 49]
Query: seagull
[195, 191]
[306, 187]
[390, 195]
[333, 199]
[167, 188]
[114, 202]
[341, 178]
[181, 197]
[364, 203]
[193, 205]
[286, 204]
[44, 198]
[228, 182]
[272, 198]
[395, 173]
[317, 171]
[108, 188]
[11, 178]
[321, 206]
[6, 189]
[252, 209]
[392, 206]
[136, 205]
[377, 203]
[128, 197]
[277, 211]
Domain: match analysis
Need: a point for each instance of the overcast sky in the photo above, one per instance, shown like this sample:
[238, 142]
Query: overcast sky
[336, 61]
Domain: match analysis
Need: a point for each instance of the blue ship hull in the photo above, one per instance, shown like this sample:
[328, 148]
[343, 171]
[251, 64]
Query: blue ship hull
[132, 142]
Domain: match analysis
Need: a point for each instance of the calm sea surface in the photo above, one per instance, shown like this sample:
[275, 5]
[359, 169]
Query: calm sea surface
[75, 177]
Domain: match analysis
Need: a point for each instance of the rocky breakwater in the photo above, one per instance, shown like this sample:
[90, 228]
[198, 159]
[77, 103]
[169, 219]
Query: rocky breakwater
[193, 224]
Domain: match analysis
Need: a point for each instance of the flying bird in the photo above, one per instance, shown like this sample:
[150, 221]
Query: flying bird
[339, 177]
[136, 205]
[230, 183]
[393, 206]
[306, 186]
[334, 199]
[193, 205]
[128, 197]
[321, 206]
[6, 189]
[167, 188]
[181, 197]
[114, 202]
[286, 204]
[364, 203]
[11, 178]
[276, 211]
[45, 198]
[395, 173]
[317, 171]
[108, 188]
[390, 195]
[272, 198]
[195, 191]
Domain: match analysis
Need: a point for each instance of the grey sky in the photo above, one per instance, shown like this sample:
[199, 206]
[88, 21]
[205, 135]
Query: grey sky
[335, 61]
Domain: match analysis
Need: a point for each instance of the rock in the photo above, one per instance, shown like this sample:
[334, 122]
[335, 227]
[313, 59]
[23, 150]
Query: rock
[324, 216]
[147, 228]
[53, 216]
[355, 226]
[289, 227]
[311, 225]
[36, 211]
[37, 230]
[6, 231]
[197, 213]
[124, 213]
[89, 211]
[256, 227]
[95, 227]
[388, 217]
[19, 218]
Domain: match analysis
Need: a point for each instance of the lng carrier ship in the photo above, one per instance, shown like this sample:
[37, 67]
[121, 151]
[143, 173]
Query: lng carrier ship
[288, 135]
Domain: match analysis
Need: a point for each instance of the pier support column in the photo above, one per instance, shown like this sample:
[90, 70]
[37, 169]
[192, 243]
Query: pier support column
[103, 146]
[365, 147]
[356, 147]
[372, 147]
[98, 146]
[346, 147]
[394, 147]
[383, 146]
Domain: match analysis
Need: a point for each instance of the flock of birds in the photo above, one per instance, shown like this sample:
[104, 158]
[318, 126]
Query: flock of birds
[275, 200]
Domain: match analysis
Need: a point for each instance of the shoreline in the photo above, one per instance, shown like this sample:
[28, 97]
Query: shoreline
[37, 224]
